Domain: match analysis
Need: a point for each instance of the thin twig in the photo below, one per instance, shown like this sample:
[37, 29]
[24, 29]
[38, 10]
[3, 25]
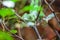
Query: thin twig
[35, 27]
[52, 9]
[18, 15]
[36, 30]
[49, 5]
[52, 2]
[3, 28]
[1, 22]
[55, 17]
[11, 32]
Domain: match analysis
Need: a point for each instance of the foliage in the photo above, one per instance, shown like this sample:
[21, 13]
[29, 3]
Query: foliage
[28, 8]
[29, 16]
[14, 0]
[5, 36]
[13, 31]
[41, 13]
[6, 12]
[34, 8]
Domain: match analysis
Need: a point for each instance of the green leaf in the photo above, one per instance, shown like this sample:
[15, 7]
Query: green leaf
[15, 0]
[40, 8]
[26, 8]
[28, 17]
[5, 36]
[13, 31]
[6, 12]
[12, 17]
[42, 14]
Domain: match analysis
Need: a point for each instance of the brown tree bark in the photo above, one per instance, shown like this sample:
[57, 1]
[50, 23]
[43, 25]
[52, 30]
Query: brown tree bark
[29, 34]
[46, 31]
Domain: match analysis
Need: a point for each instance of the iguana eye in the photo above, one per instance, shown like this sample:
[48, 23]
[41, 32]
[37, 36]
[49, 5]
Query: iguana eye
[8, 4]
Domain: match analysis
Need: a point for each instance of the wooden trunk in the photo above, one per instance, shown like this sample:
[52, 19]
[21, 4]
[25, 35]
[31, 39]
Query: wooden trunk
[46, 31]
[53, 22]
[29, 34]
